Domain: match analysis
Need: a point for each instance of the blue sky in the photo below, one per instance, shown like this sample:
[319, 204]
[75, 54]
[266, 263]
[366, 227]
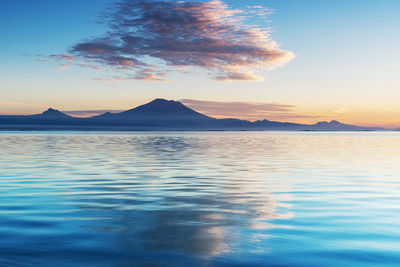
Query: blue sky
[345, 67]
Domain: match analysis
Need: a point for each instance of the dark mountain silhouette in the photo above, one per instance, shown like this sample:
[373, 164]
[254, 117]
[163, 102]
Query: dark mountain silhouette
[159, 114]
[53, 113]
[161, 108]
[335, 125]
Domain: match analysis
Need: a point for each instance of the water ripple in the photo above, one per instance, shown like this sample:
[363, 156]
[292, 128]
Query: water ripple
[230, 198]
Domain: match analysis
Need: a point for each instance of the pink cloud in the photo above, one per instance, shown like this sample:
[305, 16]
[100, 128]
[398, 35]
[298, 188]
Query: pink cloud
[249, 110]
[148, 38]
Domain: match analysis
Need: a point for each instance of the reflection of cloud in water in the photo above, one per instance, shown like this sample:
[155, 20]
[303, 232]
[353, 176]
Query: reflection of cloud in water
[206, 224]
[185, 230]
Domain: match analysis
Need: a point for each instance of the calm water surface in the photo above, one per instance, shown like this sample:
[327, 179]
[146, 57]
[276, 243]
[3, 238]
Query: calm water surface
[200, 199]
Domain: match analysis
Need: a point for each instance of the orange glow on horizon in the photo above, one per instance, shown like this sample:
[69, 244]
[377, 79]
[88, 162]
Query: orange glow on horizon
[367, 118]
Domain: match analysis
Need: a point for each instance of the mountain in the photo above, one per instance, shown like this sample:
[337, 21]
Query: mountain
[336, 125]
[161, 108]
[53, 113]
[48, 118]
[159, 114]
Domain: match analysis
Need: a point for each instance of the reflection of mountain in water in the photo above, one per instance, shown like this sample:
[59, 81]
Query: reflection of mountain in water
[160, 198]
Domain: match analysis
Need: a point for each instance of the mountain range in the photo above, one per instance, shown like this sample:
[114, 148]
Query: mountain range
[159, 114]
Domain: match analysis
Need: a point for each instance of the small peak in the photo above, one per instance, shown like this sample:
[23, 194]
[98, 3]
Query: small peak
[106, 114]
[53, 112]
[162, 100]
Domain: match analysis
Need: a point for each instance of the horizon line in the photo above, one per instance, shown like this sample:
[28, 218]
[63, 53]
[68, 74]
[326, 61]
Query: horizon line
[89, 113]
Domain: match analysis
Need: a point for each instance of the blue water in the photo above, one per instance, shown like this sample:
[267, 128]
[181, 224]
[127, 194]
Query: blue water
[200, 199]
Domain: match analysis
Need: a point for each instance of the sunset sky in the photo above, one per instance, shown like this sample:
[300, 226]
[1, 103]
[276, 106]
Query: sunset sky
[287, 60]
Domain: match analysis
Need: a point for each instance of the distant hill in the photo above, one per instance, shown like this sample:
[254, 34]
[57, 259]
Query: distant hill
[53, 113]
[336, 125]
[159, 114]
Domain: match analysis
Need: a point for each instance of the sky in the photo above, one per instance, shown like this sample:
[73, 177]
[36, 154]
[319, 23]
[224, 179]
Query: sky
[289, 60]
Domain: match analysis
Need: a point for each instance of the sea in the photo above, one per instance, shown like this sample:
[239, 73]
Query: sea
[199, 198]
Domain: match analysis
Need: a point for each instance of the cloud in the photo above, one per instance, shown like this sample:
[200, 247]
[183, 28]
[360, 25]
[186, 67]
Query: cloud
[64, 60]
[90, 113]
[18, 108]
[65, 57]
[148, 38]
[238, 76]
[22, 104]
[114, 79]
[248, 110]
[143, 74]
[149, 75]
